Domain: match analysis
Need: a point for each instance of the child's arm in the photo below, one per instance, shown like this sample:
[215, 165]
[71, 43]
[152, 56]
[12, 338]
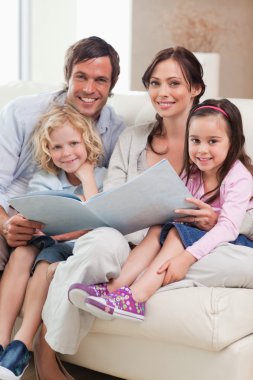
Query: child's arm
[176, 268]
[85, 173]
[235, 194]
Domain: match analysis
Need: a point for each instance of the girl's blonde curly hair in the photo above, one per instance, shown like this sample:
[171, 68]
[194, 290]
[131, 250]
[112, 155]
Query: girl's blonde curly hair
[55, 118]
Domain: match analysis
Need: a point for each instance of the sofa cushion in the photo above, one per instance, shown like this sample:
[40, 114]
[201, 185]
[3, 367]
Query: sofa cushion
[15, 89]
[201, 317]
[134, 106]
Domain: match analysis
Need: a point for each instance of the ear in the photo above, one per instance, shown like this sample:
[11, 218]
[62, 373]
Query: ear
[195, 91]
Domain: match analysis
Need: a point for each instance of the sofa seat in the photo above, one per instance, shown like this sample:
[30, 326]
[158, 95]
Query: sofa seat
[194, 333]
[201, 317]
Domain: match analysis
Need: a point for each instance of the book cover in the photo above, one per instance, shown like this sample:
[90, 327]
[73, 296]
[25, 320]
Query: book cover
[148, 199]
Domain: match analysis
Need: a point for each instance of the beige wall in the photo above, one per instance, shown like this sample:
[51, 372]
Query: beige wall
[227, 22]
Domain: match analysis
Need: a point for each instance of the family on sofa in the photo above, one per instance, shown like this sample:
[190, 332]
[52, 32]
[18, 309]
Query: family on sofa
[101, 277]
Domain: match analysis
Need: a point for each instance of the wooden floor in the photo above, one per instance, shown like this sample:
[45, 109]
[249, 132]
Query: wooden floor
[79, 373]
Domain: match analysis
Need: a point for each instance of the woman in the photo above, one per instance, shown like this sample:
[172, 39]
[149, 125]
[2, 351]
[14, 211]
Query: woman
[174, 83]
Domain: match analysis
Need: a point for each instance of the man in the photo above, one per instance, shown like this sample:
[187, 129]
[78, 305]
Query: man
[91, 71]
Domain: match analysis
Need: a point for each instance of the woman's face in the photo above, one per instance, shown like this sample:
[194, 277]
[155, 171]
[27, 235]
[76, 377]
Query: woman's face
[170, 94]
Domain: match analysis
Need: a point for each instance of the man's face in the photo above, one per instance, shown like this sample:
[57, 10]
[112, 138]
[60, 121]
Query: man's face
[89, 86]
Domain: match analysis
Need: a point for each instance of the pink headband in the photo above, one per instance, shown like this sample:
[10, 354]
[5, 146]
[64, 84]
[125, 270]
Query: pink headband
[214, 108]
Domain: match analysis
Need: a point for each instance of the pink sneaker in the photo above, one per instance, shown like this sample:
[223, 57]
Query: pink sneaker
[78, 293]
[118, 304]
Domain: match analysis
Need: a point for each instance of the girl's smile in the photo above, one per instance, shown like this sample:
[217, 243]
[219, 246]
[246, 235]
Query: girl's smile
[67, 148]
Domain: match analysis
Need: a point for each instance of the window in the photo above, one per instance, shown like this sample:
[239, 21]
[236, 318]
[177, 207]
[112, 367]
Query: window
[9, 40]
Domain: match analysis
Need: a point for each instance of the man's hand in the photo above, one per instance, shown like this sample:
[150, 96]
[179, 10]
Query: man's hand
[18, 231]
[203, 218]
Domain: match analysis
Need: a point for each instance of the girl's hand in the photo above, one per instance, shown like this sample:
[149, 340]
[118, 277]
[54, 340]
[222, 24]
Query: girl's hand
[176, 268]
[85, 171]
[86, 175]
[204, 218]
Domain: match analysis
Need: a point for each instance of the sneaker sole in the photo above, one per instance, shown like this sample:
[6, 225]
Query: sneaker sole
[6, 374]
[77, 297]
[99, 311]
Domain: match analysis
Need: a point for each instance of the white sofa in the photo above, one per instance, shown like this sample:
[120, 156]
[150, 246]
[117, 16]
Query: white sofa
[191, 333]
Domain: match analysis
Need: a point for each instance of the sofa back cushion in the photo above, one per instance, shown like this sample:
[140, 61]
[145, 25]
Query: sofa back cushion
[134, 106]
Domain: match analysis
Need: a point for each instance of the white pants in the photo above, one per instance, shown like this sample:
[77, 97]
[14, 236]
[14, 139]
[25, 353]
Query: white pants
[227, 266]
[98, 257]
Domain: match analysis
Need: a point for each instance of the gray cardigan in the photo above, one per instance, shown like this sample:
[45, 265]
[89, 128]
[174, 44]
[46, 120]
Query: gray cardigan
[124, 159]
[123, 165]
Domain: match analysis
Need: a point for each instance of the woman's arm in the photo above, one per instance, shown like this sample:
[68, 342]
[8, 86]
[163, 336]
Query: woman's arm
[118, 165]
[124, 159]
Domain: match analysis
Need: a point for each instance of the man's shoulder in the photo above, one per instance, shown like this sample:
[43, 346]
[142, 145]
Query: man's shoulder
[34, 103]
[109, 113]
[109, 122]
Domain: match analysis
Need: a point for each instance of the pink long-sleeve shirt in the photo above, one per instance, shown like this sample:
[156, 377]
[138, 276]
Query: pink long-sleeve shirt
[236, 192]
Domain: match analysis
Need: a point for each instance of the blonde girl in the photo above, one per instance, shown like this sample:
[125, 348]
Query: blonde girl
[67, 150]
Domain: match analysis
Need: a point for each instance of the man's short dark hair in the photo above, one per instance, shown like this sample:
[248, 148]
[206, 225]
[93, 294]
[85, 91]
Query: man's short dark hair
[88, 48]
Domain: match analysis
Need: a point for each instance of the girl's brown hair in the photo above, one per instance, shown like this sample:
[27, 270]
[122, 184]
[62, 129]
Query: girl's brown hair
[233, 119]
[55, 118]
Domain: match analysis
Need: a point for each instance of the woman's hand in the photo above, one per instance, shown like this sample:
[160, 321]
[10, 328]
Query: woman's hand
[203, 218]
[176, 268]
